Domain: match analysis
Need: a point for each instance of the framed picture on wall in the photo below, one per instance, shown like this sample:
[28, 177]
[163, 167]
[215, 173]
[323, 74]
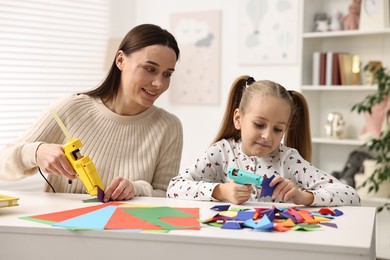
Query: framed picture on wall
[374, 14]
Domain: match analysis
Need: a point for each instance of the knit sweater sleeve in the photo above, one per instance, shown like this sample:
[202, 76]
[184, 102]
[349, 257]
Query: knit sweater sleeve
[18, 159]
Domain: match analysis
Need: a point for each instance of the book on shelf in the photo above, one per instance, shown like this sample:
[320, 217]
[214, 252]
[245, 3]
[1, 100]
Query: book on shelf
[336, 70]
[316, 68]
[345, 62]
[7, 201]
[322, 68]
[329, 68]
[333, 68]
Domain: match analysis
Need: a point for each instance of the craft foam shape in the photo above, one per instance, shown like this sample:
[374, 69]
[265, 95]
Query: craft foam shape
[308, 218]
[285, 214]
[269, 227]
[245, 215]
[228, 213]
[216, 218]
[296, 215]
[250, 223]
[326, 211]
[270, 213]
[322, 215]
[321, 219]
[231, 225]
[220, 207]
[338, 212]
[287, 223]
[305, 227]
[333, 225]
[266, 190]
[281, 228]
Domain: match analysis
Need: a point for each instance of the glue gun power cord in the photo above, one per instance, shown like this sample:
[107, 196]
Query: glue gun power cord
[51, 186]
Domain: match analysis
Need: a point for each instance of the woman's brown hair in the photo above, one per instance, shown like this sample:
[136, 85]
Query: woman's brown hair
[137, 38]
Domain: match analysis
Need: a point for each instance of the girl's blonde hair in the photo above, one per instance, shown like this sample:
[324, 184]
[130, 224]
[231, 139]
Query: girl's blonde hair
[244, 89]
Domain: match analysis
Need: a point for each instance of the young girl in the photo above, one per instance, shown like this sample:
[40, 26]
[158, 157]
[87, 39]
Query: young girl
[258, 115]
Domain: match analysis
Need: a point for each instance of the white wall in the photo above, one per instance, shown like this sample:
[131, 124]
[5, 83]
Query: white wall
[201, 123]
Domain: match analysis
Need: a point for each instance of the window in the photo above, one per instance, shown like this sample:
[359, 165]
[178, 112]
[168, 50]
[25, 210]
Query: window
[48, 49]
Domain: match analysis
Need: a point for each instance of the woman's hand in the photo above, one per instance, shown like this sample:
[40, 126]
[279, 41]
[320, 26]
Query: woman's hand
[119, 189]
[51, 159]
[233, 192]
[287, 192]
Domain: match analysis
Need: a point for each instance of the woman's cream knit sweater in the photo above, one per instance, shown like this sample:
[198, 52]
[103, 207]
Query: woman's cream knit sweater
[145, 148]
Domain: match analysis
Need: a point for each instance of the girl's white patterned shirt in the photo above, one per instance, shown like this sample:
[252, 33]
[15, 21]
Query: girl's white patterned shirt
[199, 181]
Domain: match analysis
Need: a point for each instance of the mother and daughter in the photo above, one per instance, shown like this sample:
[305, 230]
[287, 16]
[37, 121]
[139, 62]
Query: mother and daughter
[137, 146]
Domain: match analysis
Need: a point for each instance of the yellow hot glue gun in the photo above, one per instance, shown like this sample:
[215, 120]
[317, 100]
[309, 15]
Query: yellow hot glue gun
[83, 165]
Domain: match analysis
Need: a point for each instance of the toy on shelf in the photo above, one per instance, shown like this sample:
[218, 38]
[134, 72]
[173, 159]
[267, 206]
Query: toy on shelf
[321, 22]
[351, 20]
[335, 21]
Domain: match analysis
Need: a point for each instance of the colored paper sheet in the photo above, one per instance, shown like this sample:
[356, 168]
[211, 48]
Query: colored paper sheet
[123, 220]
[154, 215]
[67, 214]
[93, 220]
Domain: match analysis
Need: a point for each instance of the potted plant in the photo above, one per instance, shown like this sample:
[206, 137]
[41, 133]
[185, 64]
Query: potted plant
[379, 146]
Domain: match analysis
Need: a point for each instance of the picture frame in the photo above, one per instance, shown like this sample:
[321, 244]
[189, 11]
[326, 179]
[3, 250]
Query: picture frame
[374, 14]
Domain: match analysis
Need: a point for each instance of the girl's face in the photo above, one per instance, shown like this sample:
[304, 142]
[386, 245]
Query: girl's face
[146, 74]
[263, 125]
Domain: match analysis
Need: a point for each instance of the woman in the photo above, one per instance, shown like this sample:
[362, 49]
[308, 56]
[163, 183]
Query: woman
[135, 146]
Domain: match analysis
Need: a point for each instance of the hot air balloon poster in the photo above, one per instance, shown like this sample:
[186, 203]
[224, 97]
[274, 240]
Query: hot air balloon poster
[268, 32]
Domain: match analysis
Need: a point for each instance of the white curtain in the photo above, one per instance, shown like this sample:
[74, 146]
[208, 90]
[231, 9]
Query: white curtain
[48, 49]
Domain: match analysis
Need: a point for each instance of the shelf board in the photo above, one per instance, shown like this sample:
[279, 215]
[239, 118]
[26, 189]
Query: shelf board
[323, 140]
[338, 88]
[345, 33]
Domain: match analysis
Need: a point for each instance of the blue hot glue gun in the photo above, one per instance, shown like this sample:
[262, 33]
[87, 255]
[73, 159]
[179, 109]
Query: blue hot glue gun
[244, 177]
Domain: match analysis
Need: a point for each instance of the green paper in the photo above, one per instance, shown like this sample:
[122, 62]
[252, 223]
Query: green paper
[154, 214]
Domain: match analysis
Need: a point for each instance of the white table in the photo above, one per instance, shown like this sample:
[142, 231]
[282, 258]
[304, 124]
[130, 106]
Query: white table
[21, 239]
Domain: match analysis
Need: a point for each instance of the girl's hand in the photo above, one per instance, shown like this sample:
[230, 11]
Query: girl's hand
[119, 189]
[233, 192]
[51, 159]
[287, 192]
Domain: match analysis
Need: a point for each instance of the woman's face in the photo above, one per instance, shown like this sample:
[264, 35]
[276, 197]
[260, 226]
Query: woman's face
[263, 125]
[146, 74]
